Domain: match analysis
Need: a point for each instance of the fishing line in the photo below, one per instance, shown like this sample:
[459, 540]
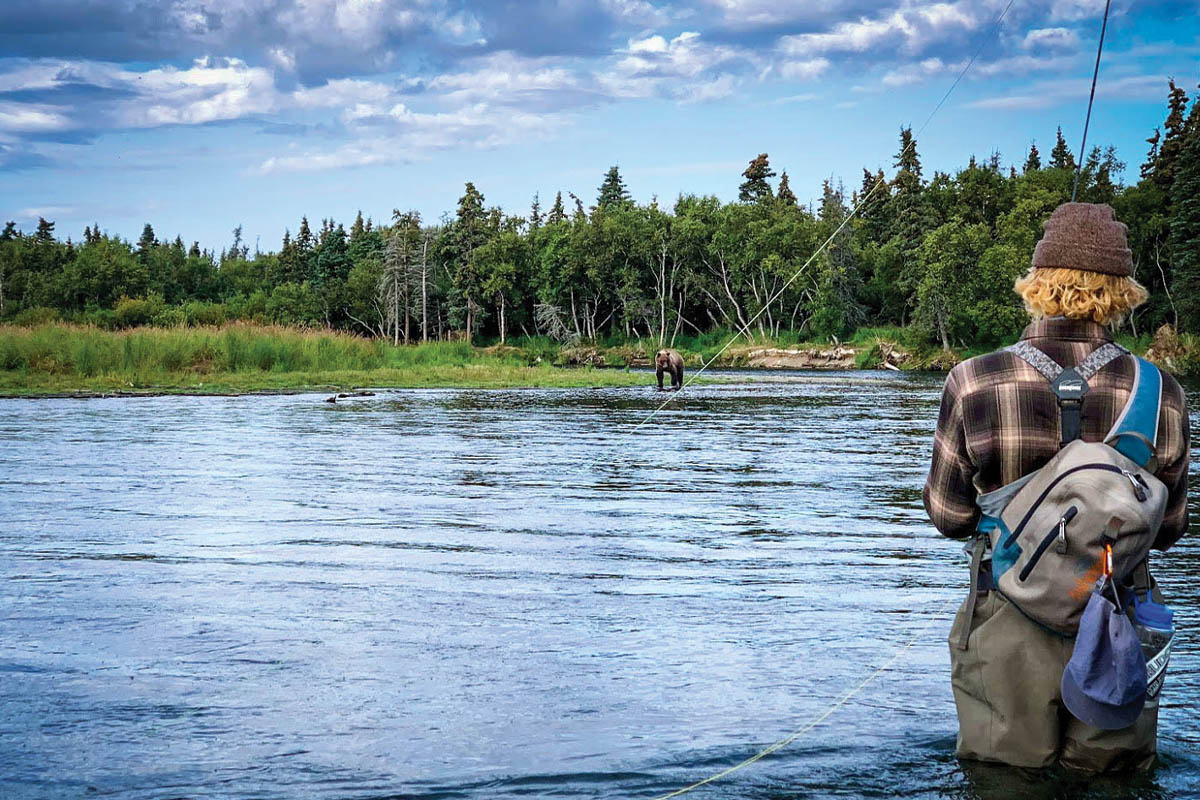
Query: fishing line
[1087, 120]
[853, 212]
[853, 691]
[817, 720]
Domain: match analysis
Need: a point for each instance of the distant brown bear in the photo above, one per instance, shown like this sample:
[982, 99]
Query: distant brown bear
[672, 362]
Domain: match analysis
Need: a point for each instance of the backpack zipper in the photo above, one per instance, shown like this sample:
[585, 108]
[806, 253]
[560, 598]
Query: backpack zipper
[1141, 495]
[1059, 531]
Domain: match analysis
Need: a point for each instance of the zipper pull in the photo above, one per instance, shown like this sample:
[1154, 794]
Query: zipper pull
[1138, 491]
[1060, 541]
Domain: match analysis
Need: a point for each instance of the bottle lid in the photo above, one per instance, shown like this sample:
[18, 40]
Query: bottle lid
[1153, 614]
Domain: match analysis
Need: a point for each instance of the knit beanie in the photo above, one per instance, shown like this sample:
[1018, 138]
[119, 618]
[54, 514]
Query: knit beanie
[1087, 237]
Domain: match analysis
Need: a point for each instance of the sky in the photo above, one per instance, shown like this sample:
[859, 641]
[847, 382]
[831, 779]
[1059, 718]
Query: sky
[201, 115]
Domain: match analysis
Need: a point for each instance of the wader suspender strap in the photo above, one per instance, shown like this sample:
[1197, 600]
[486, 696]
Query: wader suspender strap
[1069, 384]
[976, 562]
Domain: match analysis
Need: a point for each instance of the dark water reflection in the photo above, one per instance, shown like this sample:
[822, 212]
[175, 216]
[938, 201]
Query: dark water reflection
[482, 594]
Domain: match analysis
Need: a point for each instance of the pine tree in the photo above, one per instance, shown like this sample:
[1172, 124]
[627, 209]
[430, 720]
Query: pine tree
[1152, 156]
[786, 195]
[146, 243]
[557, 212]
[613, 193]
[194, 251]
[535, 213]
[1185, 228]
[358, 228]
[1185, 236]
[1033, 161]
[304, 238]
[45, 231]
[1060, 156]
[755, 187]
[1173, 135]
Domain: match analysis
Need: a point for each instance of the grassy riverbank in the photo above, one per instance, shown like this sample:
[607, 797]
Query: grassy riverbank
[66, 359]
[57, 358]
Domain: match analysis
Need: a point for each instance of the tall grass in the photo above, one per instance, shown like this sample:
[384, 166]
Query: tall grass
[87, 351]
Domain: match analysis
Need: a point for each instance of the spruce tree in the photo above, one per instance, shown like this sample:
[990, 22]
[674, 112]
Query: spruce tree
[1060, 156]
[786, 195]
[358, 228]
[1033, 161]
[755, 187]
[1152, 156]
[1185, 228]
[146, 243]
[194, 250]
[557, 212]
[613, 193]
[45, 231]
[1173, 135]
[535, 213]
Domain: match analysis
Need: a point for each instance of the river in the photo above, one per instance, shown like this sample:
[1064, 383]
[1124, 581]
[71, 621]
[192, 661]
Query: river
[499, 594]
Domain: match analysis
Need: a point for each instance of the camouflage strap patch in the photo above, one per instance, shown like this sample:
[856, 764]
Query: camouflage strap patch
[1043, 363]
[1099, 358]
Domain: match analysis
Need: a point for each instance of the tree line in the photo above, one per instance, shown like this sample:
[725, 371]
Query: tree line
[938, 254]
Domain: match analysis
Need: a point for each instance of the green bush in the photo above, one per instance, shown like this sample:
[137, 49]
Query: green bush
[38, 315]
[200, 313]
[131, 312]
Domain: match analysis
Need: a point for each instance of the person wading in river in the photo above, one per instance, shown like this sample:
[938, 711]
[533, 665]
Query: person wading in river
[1001, 420]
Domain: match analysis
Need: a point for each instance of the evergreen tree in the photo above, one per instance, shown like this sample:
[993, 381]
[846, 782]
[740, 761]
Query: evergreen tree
[1185, 228]
[535, 214]
[1060, 156]
[358, 228]
[1033, 161]
[304, 238]
[557, 212]
[786, 195]
[1152, 156]
[755, 187]
[613, 193]
[45, 231]
[194, 251]
[1173, 134]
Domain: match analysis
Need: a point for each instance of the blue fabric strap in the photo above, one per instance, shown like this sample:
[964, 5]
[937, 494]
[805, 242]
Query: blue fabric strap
[1134, 433]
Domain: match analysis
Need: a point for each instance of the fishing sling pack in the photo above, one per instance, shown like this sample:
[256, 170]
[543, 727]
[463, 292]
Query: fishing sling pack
[1051, 531]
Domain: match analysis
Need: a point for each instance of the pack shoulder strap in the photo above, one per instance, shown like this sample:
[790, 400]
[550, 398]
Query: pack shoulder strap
[1135, 432]
[1070, 384]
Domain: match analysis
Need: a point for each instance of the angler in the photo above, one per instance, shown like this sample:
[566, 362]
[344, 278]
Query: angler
[1065, 459]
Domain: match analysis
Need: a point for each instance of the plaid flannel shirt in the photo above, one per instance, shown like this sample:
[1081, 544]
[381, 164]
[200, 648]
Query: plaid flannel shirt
[999, 421]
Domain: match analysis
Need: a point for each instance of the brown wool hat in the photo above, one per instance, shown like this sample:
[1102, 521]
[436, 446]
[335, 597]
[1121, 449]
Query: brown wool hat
[1087, 237]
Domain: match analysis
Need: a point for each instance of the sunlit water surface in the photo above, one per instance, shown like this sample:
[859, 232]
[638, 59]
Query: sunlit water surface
[497, 594]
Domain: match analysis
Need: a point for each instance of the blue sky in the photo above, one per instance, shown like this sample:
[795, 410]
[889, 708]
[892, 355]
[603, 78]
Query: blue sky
[200, 115]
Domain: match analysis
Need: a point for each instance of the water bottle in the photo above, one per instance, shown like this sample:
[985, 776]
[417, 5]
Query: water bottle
[1155, 627]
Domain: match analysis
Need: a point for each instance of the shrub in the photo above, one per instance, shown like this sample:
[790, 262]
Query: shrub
[38, 315]
[131, 312]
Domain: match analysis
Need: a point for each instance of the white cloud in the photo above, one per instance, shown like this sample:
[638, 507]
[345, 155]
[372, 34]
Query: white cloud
[403, 134]
[342, 92]
[1051, 39]
[684, 68]
[806, 70]
[913, 73]
[1052, 93]
[504, 77]
[911, 29]
[1075, 10]
[807, 97]
[27, 118]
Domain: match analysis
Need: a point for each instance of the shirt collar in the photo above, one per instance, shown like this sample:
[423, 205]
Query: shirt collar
[1072, 330]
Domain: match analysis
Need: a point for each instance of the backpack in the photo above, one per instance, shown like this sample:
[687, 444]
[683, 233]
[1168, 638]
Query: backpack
[1092, 509]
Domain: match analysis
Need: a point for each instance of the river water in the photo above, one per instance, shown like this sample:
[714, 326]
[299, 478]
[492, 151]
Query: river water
[498, 594]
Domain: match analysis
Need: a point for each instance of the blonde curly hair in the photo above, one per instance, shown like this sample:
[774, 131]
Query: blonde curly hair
[1073, 293]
